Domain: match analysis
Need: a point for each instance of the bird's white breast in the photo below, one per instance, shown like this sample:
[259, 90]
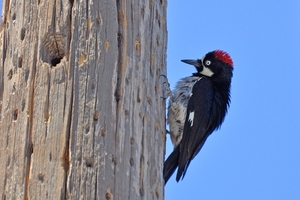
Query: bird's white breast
[177, 107]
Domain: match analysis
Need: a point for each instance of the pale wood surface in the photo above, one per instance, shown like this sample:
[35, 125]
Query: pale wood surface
[93, 125]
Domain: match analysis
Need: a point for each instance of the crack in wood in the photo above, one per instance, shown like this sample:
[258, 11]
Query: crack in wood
[29, 144]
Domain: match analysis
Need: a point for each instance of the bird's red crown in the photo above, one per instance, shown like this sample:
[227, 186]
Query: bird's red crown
[223, 56]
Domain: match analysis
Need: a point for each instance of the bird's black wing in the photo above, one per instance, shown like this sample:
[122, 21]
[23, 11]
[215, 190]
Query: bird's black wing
[171, 164]
[196, 128]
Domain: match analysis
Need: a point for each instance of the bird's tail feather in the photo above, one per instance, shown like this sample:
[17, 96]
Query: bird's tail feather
[171, 164]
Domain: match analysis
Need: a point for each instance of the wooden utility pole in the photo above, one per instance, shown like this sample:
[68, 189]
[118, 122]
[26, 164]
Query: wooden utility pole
[81, 113]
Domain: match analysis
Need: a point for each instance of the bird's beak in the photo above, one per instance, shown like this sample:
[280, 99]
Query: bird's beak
[200, 67]
[196, 63]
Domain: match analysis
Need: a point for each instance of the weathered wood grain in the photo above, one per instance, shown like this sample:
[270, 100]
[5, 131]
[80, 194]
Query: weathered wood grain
[90, 124]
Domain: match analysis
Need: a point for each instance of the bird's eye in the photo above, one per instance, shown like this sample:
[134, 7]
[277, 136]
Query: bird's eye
[207, 62]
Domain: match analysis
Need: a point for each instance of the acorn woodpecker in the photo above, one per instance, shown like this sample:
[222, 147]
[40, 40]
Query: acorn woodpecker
[196, 108]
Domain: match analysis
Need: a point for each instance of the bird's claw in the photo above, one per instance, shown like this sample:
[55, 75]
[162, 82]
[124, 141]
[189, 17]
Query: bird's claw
[166, 88]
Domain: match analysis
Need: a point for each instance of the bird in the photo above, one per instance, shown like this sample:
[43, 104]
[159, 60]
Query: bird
[197, 107]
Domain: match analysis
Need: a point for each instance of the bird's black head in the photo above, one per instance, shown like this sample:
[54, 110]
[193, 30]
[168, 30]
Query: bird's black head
[217, 63]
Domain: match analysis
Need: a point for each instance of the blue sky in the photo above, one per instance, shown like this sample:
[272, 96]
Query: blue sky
[256, 154]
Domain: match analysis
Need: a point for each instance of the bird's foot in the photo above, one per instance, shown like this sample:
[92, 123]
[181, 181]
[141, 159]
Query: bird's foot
[166, 88]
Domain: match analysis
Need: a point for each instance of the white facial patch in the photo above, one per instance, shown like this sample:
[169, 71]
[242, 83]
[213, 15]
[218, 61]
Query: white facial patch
[206, 71]
[191, 118]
